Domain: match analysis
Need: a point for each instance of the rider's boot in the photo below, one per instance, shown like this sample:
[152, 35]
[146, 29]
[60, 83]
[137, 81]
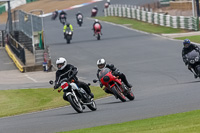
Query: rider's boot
[83, 106]
[129, 85]
[195, 76]
[91, 95]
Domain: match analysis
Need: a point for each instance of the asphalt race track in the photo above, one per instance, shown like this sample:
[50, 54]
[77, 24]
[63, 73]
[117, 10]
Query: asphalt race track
[153, 64]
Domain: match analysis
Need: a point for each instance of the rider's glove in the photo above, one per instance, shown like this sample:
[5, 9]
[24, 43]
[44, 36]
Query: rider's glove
[101, 85]
[115, 73]
[56, 86]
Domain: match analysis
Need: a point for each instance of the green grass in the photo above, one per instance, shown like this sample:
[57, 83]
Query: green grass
[139, 25]
[192, 38]
[13, 102]
[187, 122]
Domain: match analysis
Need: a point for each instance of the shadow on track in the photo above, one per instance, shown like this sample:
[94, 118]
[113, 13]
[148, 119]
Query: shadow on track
[190, 82]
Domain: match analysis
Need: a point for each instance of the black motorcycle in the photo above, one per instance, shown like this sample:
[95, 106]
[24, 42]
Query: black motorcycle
[54, 15]
[79, 20]
[68, 36]
[63, 19]
[193, 58]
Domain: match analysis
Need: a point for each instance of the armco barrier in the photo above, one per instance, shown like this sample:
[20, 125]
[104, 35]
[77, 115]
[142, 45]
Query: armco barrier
[12, 56]
[183, 22]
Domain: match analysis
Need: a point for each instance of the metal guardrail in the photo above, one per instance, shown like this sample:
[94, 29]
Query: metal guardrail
[17, 48]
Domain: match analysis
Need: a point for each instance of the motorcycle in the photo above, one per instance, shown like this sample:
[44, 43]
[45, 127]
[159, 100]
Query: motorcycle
[54, 15]
[68, 36]
[93, 13]
[63, 19]
[97, 31]
[76, 96]
[114, 85]
[80, 20]
[193, 58]
[106, 5]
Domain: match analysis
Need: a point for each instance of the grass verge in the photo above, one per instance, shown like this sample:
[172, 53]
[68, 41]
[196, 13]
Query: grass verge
[195, 39]
[13, 102]
[187, 122]
[142, 26]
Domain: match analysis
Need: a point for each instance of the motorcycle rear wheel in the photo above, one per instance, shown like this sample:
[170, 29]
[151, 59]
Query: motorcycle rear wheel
[75, 104]
[118, 93]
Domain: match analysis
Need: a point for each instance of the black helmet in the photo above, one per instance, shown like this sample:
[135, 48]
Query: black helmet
[186, 43]
[67, 24]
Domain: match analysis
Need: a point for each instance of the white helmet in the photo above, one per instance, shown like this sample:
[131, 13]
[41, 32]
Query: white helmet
[61, 61]
[108, 0]
[101, 63]
[96, 20]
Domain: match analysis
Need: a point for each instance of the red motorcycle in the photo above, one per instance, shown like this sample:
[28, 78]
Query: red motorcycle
[93, 13]
[97, 31]
[106, 5]
[115, 85]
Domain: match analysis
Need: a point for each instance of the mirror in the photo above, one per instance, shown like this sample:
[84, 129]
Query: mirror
[51, 82]
[94, 81]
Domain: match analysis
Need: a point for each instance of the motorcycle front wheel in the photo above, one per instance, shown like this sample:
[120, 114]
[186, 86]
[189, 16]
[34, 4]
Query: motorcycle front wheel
[118, 93]
[75, 104]
[130, 95]
[98, 37]
[92, 106]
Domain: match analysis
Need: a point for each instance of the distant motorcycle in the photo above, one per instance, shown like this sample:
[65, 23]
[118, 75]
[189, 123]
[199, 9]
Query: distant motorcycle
[79, 20]
[97, 31]
[63, 19]
[115, 85]
[193, 58]
[54, 15]
[93, 13]
[76, 96]
[68, 36]
[106, 5]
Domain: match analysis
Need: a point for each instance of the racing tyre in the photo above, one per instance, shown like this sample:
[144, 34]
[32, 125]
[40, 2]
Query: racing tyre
[75, 104]
[118, 93]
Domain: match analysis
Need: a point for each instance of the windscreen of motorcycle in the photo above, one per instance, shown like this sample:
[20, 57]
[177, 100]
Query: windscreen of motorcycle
[80, 16]
[94, 10]
[103, 72]
[192, 55]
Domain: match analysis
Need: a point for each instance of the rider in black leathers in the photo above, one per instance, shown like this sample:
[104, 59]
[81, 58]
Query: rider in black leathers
[101, 63]
[56, 14]
[79, 13]
[188, 47]
[62, 13]
[69, 71]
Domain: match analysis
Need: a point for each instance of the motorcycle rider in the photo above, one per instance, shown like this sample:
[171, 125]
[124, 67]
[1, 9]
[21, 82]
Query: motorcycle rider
[79, 13]
[56, 13]
[101, 63]
[108, 1]
[67, 27]
[107, 4]
[69, 72]
[95, 7]
[62, 13]
[188, 47]
[96, 21]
